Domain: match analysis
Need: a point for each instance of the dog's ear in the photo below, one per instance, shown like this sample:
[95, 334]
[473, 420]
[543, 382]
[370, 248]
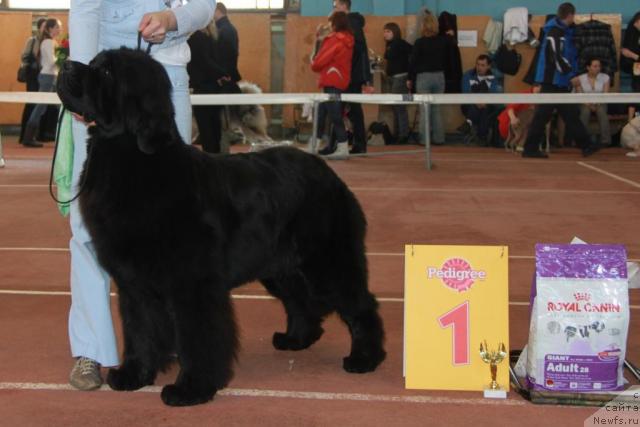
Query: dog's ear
[152, 125]
[149, 111]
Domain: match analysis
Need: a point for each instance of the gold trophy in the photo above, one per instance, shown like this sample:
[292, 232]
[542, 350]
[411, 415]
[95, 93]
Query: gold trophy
[493, 358]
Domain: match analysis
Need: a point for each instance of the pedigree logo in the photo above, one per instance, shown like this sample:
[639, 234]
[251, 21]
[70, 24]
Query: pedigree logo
[457, 274]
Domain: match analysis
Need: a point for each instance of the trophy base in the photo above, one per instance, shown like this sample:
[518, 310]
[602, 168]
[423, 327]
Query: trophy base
[495, 394]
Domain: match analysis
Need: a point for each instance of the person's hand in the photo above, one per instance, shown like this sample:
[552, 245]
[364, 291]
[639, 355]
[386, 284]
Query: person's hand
[81, 119]
[368, 89]
[409, 85]
[154, 26]
[222, 80]
[322, 30]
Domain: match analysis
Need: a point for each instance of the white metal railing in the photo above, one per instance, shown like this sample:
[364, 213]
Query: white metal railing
[307, 98]
[423, 100]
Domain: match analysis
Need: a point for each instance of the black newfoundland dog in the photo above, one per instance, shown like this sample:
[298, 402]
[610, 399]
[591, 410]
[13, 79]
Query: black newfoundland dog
[178, 229]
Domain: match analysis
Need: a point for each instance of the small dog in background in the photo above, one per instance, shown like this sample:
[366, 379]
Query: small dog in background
[250, 119]
[241, 124]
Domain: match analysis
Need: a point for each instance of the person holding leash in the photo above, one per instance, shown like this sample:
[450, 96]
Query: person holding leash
[96, 25]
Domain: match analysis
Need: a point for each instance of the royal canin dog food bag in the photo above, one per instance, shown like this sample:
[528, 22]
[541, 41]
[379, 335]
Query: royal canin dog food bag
[579, 318]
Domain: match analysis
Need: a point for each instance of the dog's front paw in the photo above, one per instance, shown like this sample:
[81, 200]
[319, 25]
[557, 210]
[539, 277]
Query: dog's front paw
[175, 395]
[287, 342]
[281, 341]
[128, 378]
[360, 364]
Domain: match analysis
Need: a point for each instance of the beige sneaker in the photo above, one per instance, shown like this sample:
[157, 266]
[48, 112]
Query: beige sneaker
[85, 374]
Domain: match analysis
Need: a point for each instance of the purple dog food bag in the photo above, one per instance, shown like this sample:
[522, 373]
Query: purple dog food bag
[579, 318]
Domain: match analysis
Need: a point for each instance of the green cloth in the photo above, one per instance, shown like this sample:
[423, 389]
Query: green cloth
[63, 167]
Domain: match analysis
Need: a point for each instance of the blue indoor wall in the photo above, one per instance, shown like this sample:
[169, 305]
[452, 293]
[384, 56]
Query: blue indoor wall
[494, 8]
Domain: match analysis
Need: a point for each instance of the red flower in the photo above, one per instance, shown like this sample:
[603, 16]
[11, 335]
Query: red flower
[65, 43]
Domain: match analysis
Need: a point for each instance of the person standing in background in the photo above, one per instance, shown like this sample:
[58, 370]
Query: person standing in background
[426, 71]
[630, 57]
[214, 69]
[397, 55]
[333, 62]
[46, 79]
[206, 76]
[30, 55]
[361, 76]
[227, 44]
[96, 25]
[556, 66]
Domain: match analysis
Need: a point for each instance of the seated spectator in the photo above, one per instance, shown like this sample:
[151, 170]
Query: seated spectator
[479, 116]
[634, 111]
[514, 122]
[630, 137]
[593, 81]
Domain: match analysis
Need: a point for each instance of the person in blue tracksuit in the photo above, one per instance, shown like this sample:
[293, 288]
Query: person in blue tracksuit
[556, 66]
[95, 25]
[479, 116]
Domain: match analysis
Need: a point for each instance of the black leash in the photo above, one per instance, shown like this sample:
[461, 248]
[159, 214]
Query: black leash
[149, 44]
[53, 164]
[57, 141]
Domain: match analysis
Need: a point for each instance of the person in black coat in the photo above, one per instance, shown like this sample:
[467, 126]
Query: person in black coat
[630, 57]
[227, 43]
[448, 27]
[31, 52]
[361, 77]
[397, 55]
[208, 74]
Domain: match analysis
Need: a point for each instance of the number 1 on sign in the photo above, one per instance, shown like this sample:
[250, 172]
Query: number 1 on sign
[459, 319]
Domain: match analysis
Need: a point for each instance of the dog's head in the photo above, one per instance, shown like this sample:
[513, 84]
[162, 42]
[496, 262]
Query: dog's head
[123, 91]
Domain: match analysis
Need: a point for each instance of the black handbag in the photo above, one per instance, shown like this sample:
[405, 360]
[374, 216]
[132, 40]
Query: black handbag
[508, 60]
[28, 66]
[22, 73]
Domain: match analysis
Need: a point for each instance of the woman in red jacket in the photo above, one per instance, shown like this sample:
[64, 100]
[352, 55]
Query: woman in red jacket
[333, 62]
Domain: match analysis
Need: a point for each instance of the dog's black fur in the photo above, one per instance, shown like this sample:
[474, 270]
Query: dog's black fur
[178, 229]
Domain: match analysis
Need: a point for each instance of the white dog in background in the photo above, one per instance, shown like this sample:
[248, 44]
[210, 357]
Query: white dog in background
[242, 124]
[630, 137]
[250, 119]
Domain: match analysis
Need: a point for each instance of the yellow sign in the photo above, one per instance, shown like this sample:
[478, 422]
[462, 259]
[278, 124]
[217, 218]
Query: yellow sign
[456, 297]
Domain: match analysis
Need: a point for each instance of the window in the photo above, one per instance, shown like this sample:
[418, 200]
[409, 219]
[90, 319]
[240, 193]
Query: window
[39, 4]
[64, 4]
[254, 4]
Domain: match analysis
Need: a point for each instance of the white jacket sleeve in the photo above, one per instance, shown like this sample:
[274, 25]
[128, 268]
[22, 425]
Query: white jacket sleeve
[84, 25]
[193, 16]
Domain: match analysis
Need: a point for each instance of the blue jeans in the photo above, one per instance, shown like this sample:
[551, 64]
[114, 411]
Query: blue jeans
[47, 83]
[432, 83]
[91, 332]
[398, 84]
